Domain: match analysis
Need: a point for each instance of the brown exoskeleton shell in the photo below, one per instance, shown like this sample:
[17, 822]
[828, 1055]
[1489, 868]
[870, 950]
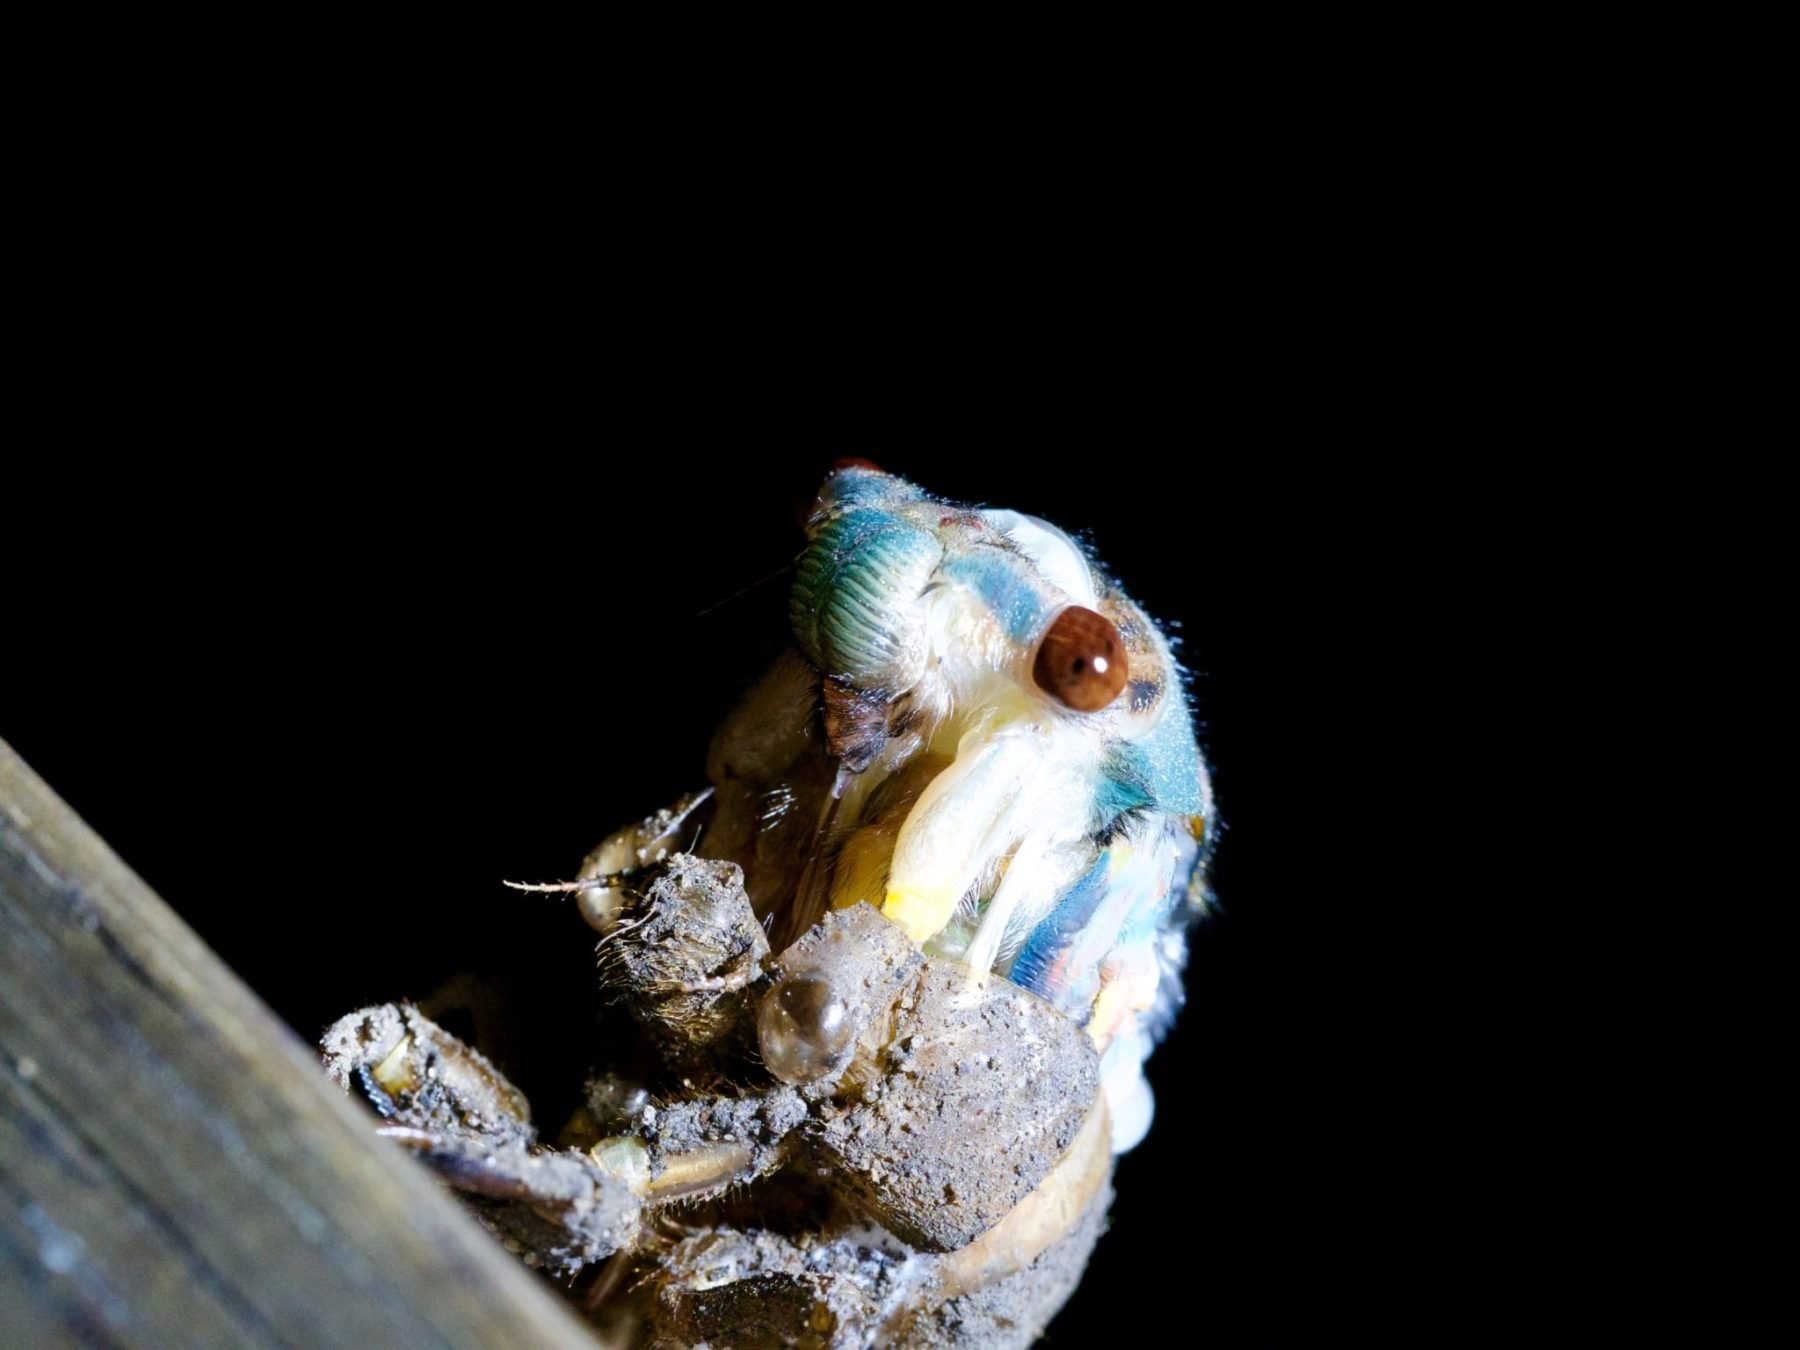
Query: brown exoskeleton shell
[939, 1179]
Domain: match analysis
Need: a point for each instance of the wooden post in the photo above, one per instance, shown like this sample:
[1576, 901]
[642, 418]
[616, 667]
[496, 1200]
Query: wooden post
[174, 1167]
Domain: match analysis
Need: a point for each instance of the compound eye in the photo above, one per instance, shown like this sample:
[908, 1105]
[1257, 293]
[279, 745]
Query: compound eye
[804, 1028]
[1081, 661]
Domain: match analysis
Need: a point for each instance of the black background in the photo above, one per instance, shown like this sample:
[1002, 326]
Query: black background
[325, 700]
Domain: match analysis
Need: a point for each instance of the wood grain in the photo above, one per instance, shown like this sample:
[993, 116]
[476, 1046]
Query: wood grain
[174, 1167]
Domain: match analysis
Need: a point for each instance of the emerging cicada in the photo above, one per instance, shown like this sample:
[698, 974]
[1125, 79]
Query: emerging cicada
[982, 736]
[894, 974]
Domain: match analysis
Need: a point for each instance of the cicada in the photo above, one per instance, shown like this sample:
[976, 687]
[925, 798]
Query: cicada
[894, 973]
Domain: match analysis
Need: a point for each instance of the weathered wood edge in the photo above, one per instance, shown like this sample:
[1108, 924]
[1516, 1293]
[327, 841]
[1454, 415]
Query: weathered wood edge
[174, 1167]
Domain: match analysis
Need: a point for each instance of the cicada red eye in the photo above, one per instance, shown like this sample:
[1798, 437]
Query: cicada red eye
[1081, 661]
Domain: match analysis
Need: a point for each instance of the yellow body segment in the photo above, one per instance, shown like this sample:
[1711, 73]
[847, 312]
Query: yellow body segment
[922, 914]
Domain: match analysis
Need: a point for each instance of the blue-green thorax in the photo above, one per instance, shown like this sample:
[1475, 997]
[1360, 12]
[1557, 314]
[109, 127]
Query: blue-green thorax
[894, 586]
